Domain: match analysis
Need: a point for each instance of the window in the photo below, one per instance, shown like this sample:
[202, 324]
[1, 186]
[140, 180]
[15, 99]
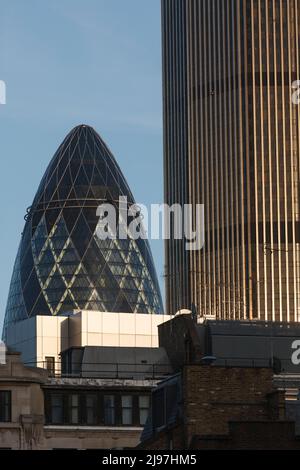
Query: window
[74, 409]
[144, 405]
[50, 364]
[159, 408]
[126, 410]
[57, 416]
[5, 406]
[109, 410]
[91, 409]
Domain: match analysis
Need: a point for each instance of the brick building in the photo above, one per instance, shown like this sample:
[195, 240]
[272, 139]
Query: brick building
[218, 407]
[236, 386]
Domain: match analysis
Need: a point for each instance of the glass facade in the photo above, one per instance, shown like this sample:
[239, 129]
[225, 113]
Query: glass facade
[62, 266]
[232, 143]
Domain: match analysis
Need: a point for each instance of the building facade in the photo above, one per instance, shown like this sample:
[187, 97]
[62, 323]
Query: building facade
[78, 409]
[234, 343]
[21, 405]
[62, 265]
[232, 143]
[219, 408]
[42, 339]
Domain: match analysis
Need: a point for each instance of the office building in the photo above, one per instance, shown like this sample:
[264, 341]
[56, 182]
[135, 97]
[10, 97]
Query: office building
[62, 266]
[232, 143]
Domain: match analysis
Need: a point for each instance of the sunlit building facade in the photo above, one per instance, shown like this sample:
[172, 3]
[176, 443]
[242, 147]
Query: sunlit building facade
[232, 143]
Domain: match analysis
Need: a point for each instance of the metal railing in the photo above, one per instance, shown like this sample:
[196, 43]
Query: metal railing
[283, 365]
[157, 371]
[107, 370]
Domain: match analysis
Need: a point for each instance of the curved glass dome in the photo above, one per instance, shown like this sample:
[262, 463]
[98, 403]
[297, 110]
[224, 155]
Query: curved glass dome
[61, 265]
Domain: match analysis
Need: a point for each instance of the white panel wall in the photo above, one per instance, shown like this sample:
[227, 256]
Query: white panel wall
[42, 336]
[118, 329]
[50, 337]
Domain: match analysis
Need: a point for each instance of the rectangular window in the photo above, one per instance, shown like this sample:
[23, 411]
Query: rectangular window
[57, 416]
[126, 410]
[5, 406]
[159, 408]
[50, 364]
[109, 410]
[144, 405]
[74, 409]
[91, 409]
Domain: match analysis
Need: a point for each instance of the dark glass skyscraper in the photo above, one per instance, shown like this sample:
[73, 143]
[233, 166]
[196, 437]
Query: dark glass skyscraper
[62, 266]
[232, 143]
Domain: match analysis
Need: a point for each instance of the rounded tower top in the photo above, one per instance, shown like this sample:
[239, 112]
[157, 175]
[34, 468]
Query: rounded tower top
[62, 266]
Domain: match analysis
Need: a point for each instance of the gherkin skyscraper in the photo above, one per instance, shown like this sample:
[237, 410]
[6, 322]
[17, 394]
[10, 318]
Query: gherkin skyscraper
[62, 266]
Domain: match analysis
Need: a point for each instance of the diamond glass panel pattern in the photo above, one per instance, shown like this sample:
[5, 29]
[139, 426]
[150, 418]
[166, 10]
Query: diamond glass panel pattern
[62, 266]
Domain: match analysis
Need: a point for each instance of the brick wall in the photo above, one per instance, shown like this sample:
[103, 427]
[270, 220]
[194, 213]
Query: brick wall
[229, 408]
[213, 396]
[252, 435]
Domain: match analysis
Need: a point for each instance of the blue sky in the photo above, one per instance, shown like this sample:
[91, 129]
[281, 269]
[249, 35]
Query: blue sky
[67, 62]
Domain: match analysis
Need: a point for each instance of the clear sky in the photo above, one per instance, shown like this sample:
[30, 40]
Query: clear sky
[67, 62]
